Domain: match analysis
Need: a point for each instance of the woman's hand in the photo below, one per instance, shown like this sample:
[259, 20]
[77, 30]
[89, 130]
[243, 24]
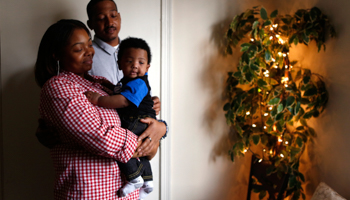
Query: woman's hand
[151, 136]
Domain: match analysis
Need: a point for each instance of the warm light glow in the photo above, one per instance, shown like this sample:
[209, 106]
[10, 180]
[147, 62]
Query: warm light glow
[286, 66]
[271, 37]
[285, 85]
[267, 92]
[266, 114]
[251, 39]
[286, 142]
[245, 150]
[274, 127]
[264, 150]
[280, 53]
[260, 160]
[265, 127]
[247, 113]
[284, 55]
[280, 139]
[276, 66]
[273, 59]
[253, 125]
[271, 29]
[277, 36]
[291, 66]
[271, 151]
[270, 108]
[282, 155]
[275, 25]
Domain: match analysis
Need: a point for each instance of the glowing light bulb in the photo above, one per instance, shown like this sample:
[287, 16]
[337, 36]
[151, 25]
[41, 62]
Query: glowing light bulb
[266, 114]
[280, 139]
[251, 39]
[284, 55]
[260, 160]
[279, 53]
[267, 92]
[264, 150]
[265, 127]
[286, 79]
[271, 37]
[286, 66]
[286, 142]
[274, 127]
[275, 25]
[247, 113]
[253, 125]
[285, 85]
[282, 155]
[273, 59]
[270, 108]
[276, 66]
[277, 36]
[245, 150]
[291, 66]
[271, 29]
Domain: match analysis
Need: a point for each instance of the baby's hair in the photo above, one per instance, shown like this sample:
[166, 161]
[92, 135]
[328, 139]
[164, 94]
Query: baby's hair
[136, 43]
[92, 3]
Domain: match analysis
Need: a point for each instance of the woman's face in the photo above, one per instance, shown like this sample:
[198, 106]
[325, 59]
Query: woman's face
[77, 54]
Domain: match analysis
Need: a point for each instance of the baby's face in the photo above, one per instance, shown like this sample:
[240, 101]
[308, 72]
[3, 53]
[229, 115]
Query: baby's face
[134, 63]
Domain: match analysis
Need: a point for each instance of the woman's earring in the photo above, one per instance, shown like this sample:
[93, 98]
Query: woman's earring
[58, 67]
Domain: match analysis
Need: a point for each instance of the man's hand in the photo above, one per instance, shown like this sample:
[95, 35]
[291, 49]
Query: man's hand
[156, 105]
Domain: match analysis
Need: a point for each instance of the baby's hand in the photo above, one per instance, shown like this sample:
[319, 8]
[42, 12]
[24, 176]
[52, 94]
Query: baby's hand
[92, 97]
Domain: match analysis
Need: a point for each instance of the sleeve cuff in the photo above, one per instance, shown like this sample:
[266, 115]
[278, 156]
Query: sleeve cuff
[167, 128]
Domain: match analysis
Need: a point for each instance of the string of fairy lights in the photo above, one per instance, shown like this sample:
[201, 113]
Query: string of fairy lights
[275, 37]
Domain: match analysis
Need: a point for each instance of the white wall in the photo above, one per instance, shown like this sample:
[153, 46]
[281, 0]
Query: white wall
[201, 169]
[27, 171]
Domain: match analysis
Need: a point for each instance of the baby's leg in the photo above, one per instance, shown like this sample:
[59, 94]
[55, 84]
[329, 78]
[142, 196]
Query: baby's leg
[146, 189]
[131, 186]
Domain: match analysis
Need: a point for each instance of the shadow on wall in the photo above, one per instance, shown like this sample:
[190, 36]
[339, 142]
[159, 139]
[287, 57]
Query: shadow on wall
[28, 167]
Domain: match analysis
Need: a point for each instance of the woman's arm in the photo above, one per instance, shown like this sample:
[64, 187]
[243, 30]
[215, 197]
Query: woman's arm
[80, 123]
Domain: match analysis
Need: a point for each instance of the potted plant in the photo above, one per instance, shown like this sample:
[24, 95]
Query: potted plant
[270, 97]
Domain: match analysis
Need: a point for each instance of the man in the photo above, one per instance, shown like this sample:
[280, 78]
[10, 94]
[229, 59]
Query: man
[105, 20]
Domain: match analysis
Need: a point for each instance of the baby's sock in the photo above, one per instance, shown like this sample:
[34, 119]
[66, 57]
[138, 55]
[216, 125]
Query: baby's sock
[146, 189]
[131, 186]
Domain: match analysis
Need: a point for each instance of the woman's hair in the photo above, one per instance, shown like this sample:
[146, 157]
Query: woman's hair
[91, 4]
[136, 43]
[54, 40]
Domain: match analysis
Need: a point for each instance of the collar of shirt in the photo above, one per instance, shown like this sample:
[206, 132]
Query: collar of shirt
[106, 47]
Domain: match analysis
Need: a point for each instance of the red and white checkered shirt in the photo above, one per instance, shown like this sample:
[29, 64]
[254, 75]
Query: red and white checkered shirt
[91, 140]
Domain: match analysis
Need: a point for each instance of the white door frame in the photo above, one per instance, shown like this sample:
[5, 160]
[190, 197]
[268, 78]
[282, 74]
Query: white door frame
[165, 85]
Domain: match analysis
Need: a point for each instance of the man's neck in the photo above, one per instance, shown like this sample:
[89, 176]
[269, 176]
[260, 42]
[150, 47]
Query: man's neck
[113, 43]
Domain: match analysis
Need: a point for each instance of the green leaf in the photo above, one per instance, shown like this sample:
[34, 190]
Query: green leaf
[227, 106]
[267, 56]
[310, 92]
[245, 47]
[263, 14]
[297, 108]
[255, 24]
[261, 83]
[279, 116]
[279, 126]
[290, 101]
[280, 108]
[270, 121]
[262, 194]
[274, 14]
[239, 129]
[299, 141]
[274, 101]
[256, 139]
[306, 79]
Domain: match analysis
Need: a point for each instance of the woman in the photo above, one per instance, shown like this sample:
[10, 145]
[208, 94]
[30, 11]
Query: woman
[91, 139]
